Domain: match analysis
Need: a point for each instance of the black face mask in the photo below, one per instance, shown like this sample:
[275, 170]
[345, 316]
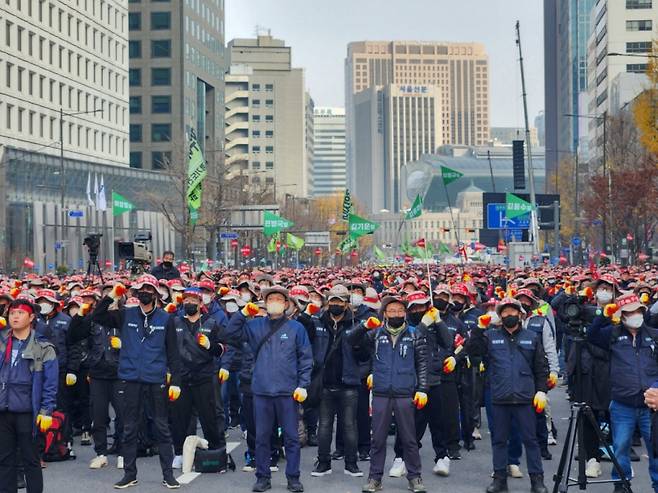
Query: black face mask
[145, 298]
[457, 307]
[395, 322]
[336, 309]
[414, 318]
[167, 265]
[527, 308]
[191, 308]
[510, 321]
[440, 304]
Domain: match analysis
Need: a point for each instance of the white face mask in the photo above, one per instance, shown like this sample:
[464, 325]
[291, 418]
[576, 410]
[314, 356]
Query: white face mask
[246, 297]
[232, 307]
[165, 295]
[275, 308]
[495, 319]
[206, 298]
[75, 292]
[603, 295]
[634, 321]
[46, 308]
[73, 311]
[356, 299]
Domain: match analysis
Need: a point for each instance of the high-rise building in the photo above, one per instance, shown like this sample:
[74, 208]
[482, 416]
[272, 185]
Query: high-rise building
[394, 125]
[618, 27]
[280, 114]
[176, 80]
[567, 28]
[328, 173]
[458, 71]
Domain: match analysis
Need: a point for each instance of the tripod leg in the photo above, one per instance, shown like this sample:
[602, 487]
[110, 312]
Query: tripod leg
[561, 486]
[100, 272]
[622, 477]
[582, 457]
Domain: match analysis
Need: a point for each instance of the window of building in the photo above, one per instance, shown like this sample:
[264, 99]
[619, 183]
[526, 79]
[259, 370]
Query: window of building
[641, 25]
[135, 49]
[160, 104]
[255, 165]
[269, 103]
[255, 118]
[160, 20]
[161, 48]
[269, 165]
[135, 105]
[134, 21]
[135, 132]
[255, 87]
[134, 77]
[638, 47]
[269, 150]
[160, 132]
[269, 87]
[638, 4]
[255, 149]
[269, 118]
[269, 134]
[135, 159]
[269, 180]
[160, 76]
[636, 68]
[160, 159]
[255, 103]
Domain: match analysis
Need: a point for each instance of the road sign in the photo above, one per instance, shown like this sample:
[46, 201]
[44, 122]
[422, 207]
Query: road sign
[496, 218]
[318, 251]
[51, 266]
[629, 237]
[228, 236]
[76, 214]
[575, 241]
[58, 245]
[234, 243]
[245, 250]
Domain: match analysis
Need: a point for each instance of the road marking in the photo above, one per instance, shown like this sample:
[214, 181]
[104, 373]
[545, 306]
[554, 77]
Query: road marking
[188, 477]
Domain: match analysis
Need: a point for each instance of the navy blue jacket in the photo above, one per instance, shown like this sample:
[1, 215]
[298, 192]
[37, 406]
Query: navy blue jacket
[160, 272]
[148, 343]
[633, 361]
[516, 364]
[44, 372]
[198, 365]
[57, 328]
[439, 346]
[398, 370]
[285, 360]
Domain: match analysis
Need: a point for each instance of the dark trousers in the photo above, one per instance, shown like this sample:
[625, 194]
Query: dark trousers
[382, 414]
[442, 416]
[267, 410]
[522, 417]
[336, 402]
[135, 396]
[231, 398]
[311, 419]
[202, 399]
[16, 438]
[466, 392]
[65, 404]
[362, 422]
[80, 405]
[103, 393]
[248, 419]
[220, 416]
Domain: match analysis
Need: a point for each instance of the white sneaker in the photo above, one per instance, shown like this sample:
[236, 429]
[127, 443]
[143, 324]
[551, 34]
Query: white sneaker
[551, 439]
[98, 462]
[476, 434]
[442, 467]
[514, 471]
[119, 462]
[399, 469]
[593, 469]
[178, 462]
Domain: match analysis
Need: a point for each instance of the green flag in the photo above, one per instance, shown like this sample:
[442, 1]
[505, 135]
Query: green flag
[450, 175]
[347, 204]
[348, 244]
[273, 224]
[378, 253]
[120, 204]
[196, 172]
[359, 226]
[416, 209]
[443, 248]
[294, 242]
[406, 247]
[516, 206]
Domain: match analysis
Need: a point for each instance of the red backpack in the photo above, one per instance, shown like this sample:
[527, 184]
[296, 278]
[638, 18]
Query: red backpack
[56, 449]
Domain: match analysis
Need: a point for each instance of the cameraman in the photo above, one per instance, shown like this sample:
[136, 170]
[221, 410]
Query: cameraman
[634, 364]
[166, 269]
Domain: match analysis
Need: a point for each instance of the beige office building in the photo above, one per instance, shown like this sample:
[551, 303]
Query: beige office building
[278, 147]
[458, 71]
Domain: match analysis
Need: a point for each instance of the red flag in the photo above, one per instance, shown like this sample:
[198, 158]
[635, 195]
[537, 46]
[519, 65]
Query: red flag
[421, 243]
[28, 263]
[408, 259]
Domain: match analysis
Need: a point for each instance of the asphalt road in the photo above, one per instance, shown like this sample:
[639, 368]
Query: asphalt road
[471, 474]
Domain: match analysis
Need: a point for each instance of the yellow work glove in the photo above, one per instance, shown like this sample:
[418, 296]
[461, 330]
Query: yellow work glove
[203, 341]
[44, 422]
[372, 323]
[539, 402]
[115, 342]
[484, 321]
[174, 393]
[250, 310]
[431, 317]
[420, 400]
[118, 290]
[482, 368]
[312, 309]
[610, 309]
[449, 364]
[644, 298]
[552, 380]
[71, 379]
[223, 375]
[300, 394]
[369, 382]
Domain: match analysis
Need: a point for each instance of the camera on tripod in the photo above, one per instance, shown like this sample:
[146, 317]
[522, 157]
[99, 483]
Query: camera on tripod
[577, 314]
[137, 253]
[93, 243]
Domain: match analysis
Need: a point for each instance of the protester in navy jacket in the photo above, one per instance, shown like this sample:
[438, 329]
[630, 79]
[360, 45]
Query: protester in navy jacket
[282, 372]
[28, 393]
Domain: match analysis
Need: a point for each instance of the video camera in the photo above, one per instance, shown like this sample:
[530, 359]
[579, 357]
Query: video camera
[137, 253]
[93, 243]
[577, 314]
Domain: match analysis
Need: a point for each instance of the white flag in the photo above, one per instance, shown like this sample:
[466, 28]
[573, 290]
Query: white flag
[89, 199]
[102, 203]
[96, 190]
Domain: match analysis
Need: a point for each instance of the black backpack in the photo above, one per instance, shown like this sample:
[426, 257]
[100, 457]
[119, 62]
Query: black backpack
[56, 449]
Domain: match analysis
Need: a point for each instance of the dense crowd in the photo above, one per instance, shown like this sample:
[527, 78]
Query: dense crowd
[299, 357]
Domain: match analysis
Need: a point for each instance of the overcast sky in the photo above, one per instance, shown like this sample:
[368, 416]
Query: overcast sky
[319, 30]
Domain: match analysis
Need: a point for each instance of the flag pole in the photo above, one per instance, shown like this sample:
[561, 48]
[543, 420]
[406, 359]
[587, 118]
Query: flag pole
[452, 220]
[427, 263]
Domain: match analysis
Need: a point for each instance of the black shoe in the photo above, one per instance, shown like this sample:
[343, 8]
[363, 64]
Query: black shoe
[546, 455]
[470, 445]
[262, 484]
[338, 455]
[455, 455]
[114, 449]
[249, 463]
[634, 456]
[537, 484]
[234, 423]
[170, 483]
[353, 470]
[312, 440]
[619, 488]
[20, 481]
[499, 484]
[295, 485]
[321, 469]
[126, 482]
[364, 456]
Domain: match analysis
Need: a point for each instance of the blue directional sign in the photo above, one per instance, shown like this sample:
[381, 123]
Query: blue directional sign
[575, 241]
[496, 218]
[228, 236]
[76, 213]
